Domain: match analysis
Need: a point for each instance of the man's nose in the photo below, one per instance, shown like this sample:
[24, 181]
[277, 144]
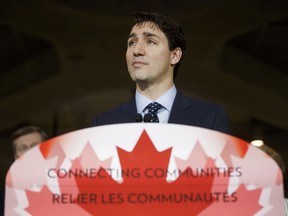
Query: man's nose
[139, 49]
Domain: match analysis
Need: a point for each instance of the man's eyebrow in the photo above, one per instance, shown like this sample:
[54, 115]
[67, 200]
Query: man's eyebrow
[149, 34]
[146, 34]
[132, 35]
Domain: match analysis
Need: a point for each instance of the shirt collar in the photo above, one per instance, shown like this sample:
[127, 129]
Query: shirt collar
[165, 100]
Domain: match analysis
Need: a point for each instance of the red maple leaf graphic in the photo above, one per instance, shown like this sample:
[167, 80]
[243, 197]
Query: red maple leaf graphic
[144, 190]
[245, 205]
[42, 204]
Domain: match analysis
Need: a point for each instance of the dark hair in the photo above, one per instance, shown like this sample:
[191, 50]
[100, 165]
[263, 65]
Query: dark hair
[172, 30]
[27, 130]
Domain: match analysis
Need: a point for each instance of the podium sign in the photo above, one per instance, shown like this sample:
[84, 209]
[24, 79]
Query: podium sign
[144, 169]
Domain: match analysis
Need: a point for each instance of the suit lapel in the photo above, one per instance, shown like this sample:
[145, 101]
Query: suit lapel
[127, 112]
[182, 110]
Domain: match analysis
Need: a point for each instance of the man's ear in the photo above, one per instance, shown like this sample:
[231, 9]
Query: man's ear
[176, 56]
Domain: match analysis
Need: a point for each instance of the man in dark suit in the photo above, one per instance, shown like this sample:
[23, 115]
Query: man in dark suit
[155, 48]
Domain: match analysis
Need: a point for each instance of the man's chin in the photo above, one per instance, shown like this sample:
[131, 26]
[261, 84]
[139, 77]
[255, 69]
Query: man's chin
[141, 80]
[139, 76]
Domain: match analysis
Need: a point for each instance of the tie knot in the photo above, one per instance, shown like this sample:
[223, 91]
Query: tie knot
[153, 109]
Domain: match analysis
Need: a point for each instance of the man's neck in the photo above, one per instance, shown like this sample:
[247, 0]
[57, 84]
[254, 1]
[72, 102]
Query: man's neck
[153, 91]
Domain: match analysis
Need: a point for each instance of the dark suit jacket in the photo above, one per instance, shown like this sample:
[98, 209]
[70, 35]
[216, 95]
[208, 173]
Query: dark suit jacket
[185, 110]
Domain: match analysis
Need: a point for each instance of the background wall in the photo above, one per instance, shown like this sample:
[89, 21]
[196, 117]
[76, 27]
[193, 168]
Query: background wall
[63, 61]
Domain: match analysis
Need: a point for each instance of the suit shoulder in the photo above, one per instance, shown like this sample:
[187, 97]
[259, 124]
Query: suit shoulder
[201, 113]
[114, 115]
[201, 103]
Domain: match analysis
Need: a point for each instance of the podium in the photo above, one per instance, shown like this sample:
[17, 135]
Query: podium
[144, 169]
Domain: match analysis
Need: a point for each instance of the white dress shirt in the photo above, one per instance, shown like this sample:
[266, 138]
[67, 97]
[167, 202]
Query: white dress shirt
[166, 100]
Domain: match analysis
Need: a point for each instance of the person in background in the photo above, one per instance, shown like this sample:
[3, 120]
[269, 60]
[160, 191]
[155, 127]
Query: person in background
[155, 48]
[25, 138]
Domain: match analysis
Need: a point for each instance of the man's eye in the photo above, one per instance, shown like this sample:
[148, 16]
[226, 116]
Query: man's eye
[131, 43]
[151, 42]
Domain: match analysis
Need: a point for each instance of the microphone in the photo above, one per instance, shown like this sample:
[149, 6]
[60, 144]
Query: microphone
[138, 117]
[147, 117]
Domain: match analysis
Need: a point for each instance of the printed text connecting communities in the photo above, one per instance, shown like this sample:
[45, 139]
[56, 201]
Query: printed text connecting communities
[146, 173]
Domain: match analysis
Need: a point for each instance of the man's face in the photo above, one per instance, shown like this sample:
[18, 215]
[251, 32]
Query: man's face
[148, 56]
[26, 142]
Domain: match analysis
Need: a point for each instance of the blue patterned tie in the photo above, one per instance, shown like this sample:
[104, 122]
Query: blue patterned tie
[152, 110]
